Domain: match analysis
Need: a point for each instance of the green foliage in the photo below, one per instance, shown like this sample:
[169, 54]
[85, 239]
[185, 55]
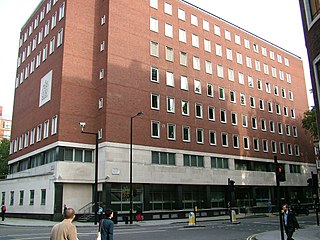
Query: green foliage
[4, 154]
[309, 122]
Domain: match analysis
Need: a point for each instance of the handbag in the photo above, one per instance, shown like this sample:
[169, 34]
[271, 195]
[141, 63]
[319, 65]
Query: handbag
[98, 237]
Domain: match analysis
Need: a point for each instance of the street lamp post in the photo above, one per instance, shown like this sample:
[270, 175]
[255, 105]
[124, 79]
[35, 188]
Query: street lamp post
[95, 188]
[131, 190]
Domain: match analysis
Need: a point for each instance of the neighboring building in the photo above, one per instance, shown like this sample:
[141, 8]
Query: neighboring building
[219, 102]
[5, 126]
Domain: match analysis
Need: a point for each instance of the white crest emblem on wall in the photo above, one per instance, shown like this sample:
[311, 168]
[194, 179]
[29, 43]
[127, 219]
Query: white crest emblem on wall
[45, 89]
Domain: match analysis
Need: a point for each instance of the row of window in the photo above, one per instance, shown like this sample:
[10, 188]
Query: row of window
[39, 18]
[34, 135]
[206, 26]
[165, 158]
[225, 142]
[41, 57]
[185, 106]
[184, 84]
[22, 197]
[220, 70]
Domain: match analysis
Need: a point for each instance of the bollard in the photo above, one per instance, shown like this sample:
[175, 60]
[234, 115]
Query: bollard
[191, 219]
[233, 216]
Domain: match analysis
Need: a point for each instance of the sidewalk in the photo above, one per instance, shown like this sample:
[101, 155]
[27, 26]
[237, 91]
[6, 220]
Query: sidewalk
[308, 233]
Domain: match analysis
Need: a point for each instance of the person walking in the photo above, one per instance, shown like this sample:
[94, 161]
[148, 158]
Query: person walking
[3, 211]
[107, 226]
[65, 230]
[290, 222]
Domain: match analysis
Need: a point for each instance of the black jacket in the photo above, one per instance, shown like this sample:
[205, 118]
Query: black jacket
[292, 221]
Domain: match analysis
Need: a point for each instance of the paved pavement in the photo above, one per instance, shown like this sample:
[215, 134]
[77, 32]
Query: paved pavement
[307, 233]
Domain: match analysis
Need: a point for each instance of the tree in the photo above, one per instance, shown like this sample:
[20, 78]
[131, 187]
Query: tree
[4, 154]
[309, 122]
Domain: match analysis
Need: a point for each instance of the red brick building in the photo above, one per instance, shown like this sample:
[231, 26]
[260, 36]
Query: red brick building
[5, 126]
[219, 102]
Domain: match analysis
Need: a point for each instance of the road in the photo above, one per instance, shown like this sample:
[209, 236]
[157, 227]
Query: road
[177, 231]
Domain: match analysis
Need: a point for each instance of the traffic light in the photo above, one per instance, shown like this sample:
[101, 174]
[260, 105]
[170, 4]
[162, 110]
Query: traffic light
[315, 181]
[310, 183]
[280, 173]
[231, 185]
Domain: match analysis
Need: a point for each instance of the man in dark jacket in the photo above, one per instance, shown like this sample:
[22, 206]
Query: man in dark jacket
[290, 222]
[107, 226]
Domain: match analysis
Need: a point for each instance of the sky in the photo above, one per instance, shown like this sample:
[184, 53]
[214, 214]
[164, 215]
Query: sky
[277, 21]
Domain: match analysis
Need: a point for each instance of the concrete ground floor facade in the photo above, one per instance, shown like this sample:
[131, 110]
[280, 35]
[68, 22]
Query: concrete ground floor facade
[163, 180]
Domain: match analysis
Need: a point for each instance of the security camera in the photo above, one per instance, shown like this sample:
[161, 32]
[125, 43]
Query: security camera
[82, 125]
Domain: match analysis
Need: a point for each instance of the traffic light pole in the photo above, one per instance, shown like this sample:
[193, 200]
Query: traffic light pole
[279, 198]
[314, 186]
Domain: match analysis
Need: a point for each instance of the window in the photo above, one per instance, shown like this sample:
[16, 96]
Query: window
[286, 62]
[248, 61]
[229, 54]
[163, 158]
[200, 137]
[21, 198]
[54, 20]
[256, 144]
[252, 102]
[40, 36]
[197, 86]
[184, 83]
[199, 111]
[270, 108]
[183, 59]
[265, 69]
[43, 197]
[205, 25]
[169, 54]
[100, 103]
[231, 74]
[171, 131]
[247, 43]
[246, 144]
[26, 139]
[278, 110]
[46, 129]
[46, 28]
[294, 131]
[268, 87]
[289, 148]
[265, 145]
[261, 104]
[48, 6]
[170, 104]
[242, 99]
[103, 20]
[39, 132]
[193, 160]
[222, 93]
[297, 150]
[218, 50]
[196, 63]
[185, 107]
[232, 96]
[168, 30]
[274, 72]
[273, 147]
[276, 90]
[102, 46]
[213, 137]
[61, 11]
[34, 43]
[155, 101]
[280, 129]
[239, 58]
[210, 91]
[234, 120]
[154, 74]
[235, 140]
[31, 202]
[182, 35]
[250, 82]
[293, 114]
[264, 51]
[154, 4]
[181, 14]
[281, 145]
[195, 40]
[32, 136]
[168, 8]
[285, 111]
[217, 162]
[45, 53]
[263, 125]
[169, 79]
[194, 20]
[101, 74]
[257, 64]
[60, 38]
[220, 71]
[227, 35]
[208, 67]
[185, 133]
[155, 129]
[254, 122]
[271, 126]
[154, 49]
[216, 29]
[237, 39]
[153, 24]
[244, 121]
[207, 45]
[287, 127]
[51, 47]
[224, 139]
[223, 116]
[288, 77]
[241, 78]
[290, 95]
[211, 113]
[11, 198]
[259, 84]
[279, 58]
